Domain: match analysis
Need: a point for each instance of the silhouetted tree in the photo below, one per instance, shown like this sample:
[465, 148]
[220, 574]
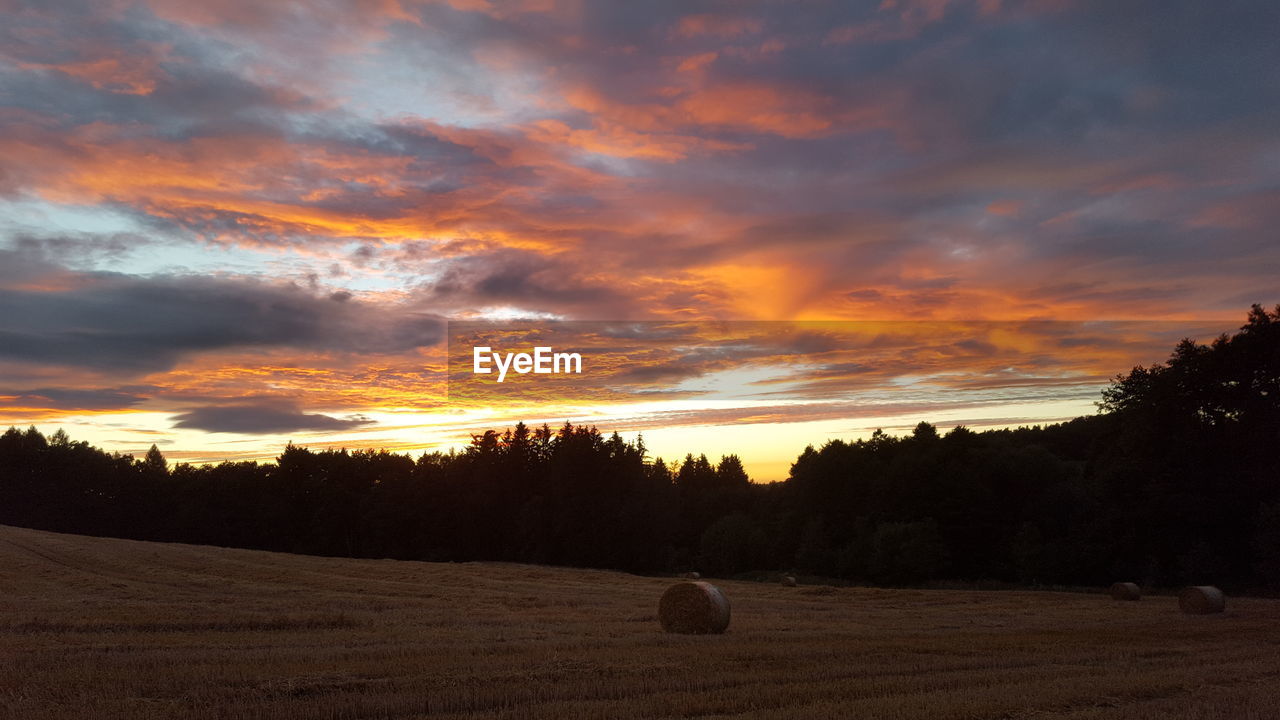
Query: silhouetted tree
[1175, 481]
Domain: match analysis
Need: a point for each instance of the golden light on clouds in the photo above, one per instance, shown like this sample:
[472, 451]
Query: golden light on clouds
[233, 224]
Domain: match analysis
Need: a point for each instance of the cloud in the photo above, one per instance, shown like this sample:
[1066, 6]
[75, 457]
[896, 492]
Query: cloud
[654, 182]
[525, 279]
[74, 399]
[367, 168]
[262, 419]
[125, 324]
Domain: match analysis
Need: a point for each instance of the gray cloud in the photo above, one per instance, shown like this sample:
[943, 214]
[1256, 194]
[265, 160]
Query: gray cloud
[130, 324]
[261, 419]
[77, 399]
[527, 280]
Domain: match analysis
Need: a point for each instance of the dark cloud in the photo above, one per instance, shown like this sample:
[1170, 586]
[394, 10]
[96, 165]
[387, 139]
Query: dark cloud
[76, 399]
[527, 280]
[183, 97]
[129, 324]
[80, 249]
[667, 374]
[261, 419]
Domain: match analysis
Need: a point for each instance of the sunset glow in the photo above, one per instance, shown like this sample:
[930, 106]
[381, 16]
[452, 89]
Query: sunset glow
[229, 225]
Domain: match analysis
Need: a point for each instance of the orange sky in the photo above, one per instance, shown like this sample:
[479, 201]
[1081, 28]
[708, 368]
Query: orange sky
[231, 224]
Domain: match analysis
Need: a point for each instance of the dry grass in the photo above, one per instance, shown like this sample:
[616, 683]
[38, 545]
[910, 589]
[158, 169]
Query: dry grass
[97, 628]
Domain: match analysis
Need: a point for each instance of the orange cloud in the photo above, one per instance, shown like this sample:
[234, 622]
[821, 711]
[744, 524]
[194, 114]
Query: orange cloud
[119, 74]
[618, 141]
[271, 187]
[718, 26]
[412, 381]
[694, 63]
[757, 107]
[344, 18]
[1004, 208]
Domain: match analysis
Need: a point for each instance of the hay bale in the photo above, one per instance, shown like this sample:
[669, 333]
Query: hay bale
[693, 608]
[691, 576]
[1202, 600]
[788, 581]
[1126, 591]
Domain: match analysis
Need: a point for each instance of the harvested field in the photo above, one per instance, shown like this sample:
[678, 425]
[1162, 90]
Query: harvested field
[104, 628]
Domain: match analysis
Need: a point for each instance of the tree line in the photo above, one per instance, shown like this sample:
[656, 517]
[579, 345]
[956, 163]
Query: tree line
[1176, 480]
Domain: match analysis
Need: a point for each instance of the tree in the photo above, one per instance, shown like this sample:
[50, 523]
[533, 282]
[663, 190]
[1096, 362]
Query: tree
[730, 473]
[904, 553]
[154, 460]
[733, 544]
[1175, 481]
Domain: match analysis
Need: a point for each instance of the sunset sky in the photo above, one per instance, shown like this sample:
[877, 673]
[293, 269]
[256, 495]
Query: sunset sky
[229, 224]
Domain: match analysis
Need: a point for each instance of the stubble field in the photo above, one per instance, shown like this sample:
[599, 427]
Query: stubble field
[104, 628]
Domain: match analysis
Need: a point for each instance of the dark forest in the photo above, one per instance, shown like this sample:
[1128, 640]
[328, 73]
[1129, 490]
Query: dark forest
[1176, 480]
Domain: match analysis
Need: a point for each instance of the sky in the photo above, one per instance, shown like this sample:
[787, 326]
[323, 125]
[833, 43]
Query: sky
[231, 224]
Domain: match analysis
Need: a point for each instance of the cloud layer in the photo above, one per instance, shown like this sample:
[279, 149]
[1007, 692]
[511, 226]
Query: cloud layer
[237, 204]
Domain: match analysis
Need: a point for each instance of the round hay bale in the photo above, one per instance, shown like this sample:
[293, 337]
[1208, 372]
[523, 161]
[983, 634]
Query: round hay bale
[1126, 591]
[691, 576]
[1202, 600]
[693, 608]
[788, 581]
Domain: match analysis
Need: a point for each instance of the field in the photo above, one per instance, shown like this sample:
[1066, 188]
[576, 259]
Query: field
[103, 628]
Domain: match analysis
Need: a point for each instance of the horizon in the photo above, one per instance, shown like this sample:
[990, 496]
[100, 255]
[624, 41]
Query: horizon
[631, 437]
[755, 388]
